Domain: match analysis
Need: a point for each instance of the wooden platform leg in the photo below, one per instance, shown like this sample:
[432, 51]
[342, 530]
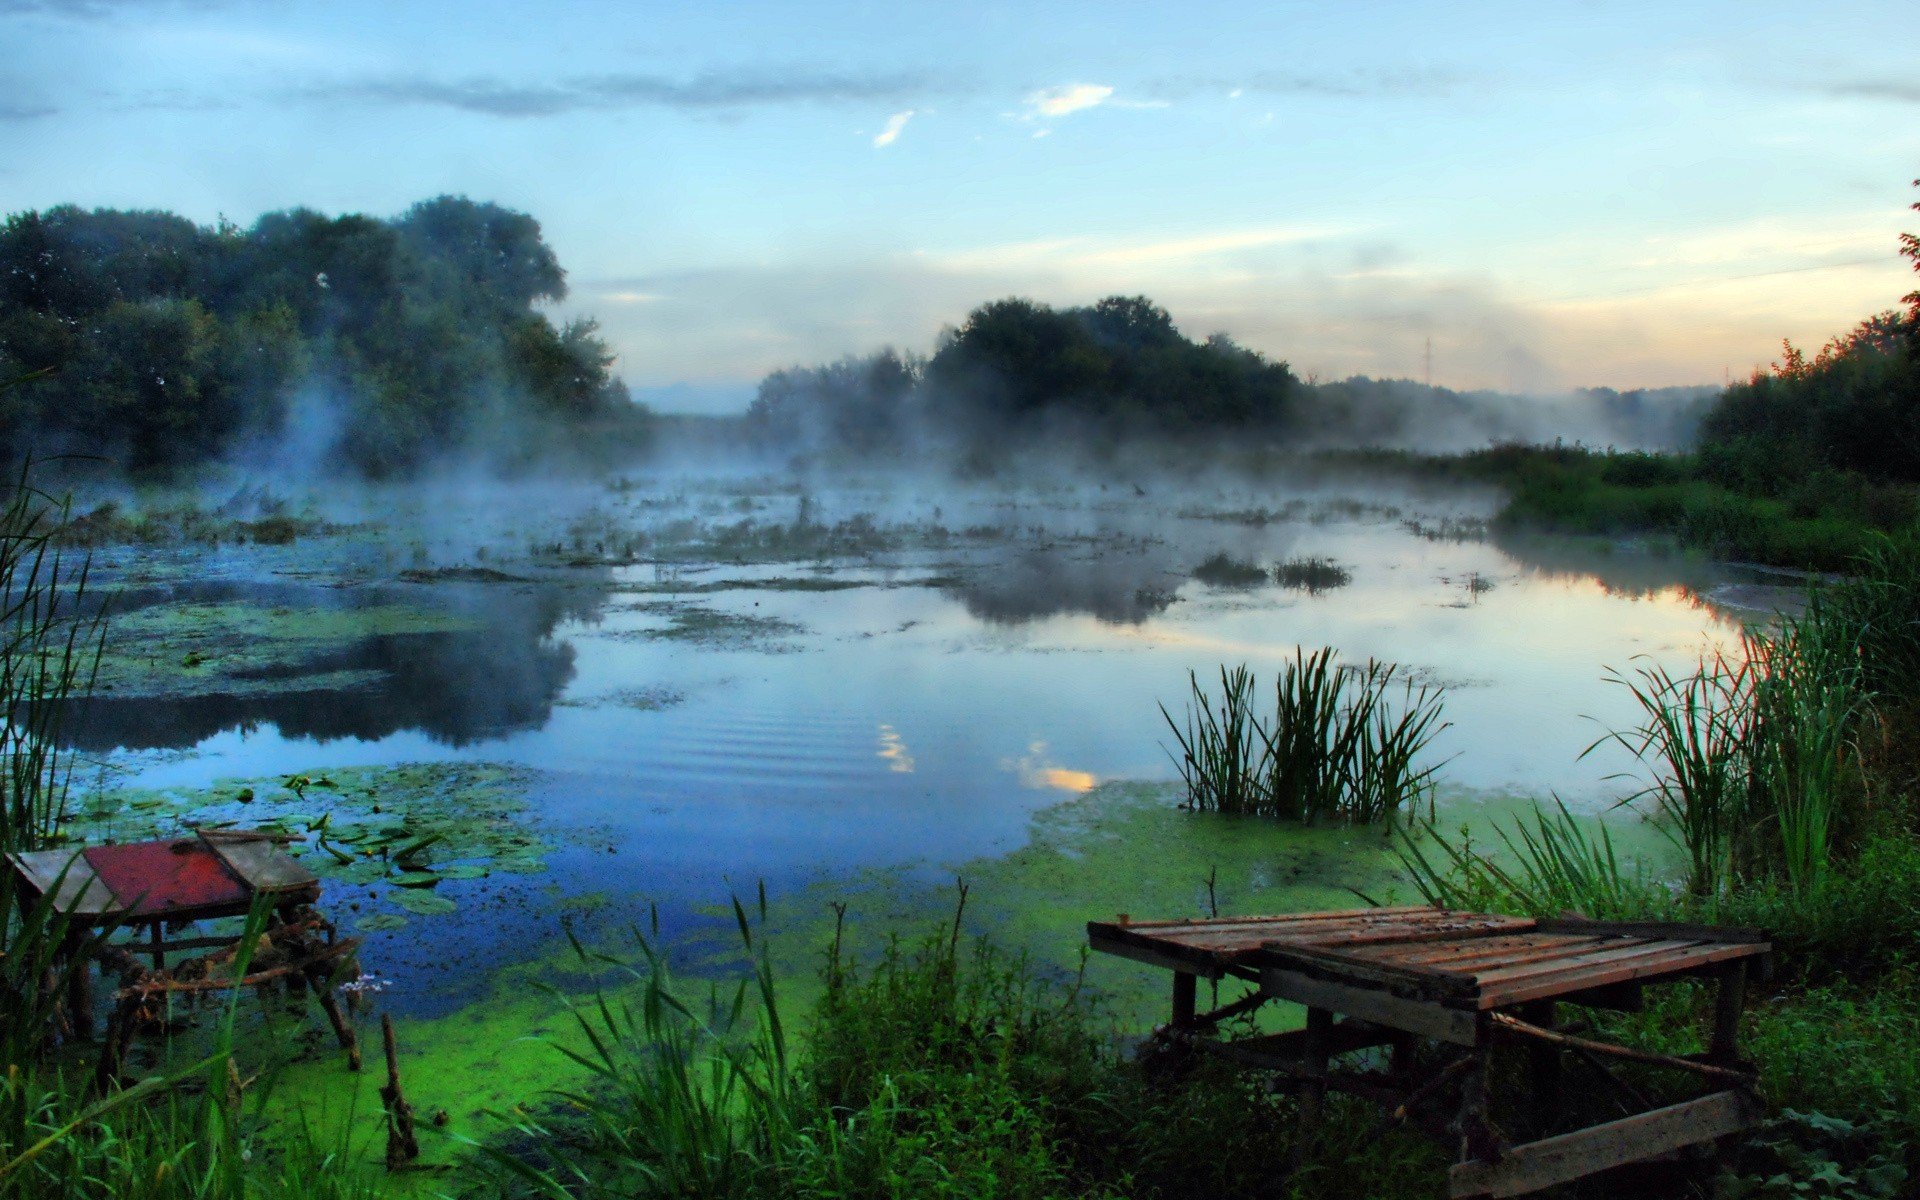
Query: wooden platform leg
[1470, 1125]
[1543, 1066]
[1315, 1058]
[319, 980]
[1729, 1000]
[79, 986]
[1185, 992]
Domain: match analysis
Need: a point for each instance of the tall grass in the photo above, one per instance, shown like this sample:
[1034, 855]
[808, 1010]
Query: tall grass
[49, 651]
[1547, 863]
[1334, 747]
[1751, 758]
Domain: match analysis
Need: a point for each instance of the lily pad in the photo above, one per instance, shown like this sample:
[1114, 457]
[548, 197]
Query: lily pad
[422, 904]
[382, 922]
[463, 871]
[415, 879]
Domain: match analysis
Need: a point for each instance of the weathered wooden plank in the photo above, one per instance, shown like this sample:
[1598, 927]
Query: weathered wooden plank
[1676, 962]
[1606, 954]
[1446, 1023]
[1349, 968]
[1556, 1160]
[69, 878]
[1166, 958]
[1275, 918]
[1404, 934]
[1448, 949]
[1655, 929]
[1507, 952]
[263, 865]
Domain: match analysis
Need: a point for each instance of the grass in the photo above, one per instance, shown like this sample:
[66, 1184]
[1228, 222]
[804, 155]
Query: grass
[1335, 747]
[1222, 570]
[1312, 575]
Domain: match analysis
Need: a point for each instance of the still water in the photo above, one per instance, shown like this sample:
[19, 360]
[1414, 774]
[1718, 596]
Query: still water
[718, 683]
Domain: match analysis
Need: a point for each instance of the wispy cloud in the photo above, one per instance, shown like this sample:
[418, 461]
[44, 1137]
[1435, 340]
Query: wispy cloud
[1068, 98]
[1903, 91]
[1360, 83]
[891, 134]
[25, 112]
[713, 91]
[1086, 253]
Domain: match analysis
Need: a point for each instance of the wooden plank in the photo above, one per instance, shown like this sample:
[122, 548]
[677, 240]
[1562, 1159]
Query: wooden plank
[1606, 954]
[1351, 969]
[1655, 929]
[1274, 918]
[264, 866]
[1426, 1018]
[1153, 956]
[1400, 935]
[1570, 1156]
[1447, 949]
[69, 877]
[1677, 962]
[1509, 952]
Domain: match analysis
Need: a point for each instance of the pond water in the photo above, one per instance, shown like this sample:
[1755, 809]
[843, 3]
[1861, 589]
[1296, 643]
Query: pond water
[714, 683]
[903, 686]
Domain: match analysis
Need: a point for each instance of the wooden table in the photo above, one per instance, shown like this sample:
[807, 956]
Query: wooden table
[161, 886]
[1447, 987]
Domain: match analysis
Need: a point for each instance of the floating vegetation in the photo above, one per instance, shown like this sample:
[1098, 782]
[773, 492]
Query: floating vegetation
[1446, 529]
[1334, 748]
[240, 648]
[1312, 575]
[1222, 570]
[406, 830]
[717, 628]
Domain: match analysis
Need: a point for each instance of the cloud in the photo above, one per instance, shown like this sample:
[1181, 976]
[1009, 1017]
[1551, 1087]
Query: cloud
[891, 134]
[1360, 83]
[1068, 98]
[25, 112]
[713, 91]
[1902, 91]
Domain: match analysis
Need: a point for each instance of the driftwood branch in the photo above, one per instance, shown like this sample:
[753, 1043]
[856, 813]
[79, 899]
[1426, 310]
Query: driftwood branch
[1515, 1025]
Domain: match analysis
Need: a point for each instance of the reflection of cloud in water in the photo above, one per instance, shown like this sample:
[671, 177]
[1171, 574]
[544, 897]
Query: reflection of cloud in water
[894, 750]
[1035, 771]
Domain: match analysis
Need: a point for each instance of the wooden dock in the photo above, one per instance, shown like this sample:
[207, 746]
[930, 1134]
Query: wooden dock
[1441, 990]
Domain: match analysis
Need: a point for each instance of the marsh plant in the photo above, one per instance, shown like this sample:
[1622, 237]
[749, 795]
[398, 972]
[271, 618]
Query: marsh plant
[1339, 743]
[1751, 758]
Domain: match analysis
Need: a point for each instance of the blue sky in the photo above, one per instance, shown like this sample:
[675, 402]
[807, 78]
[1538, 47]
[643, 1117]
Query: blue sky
[1555, 194]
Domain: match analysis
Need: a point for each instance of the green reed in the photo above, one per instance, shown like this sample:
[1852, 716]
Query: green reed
[1547, 863]
[1335, 746]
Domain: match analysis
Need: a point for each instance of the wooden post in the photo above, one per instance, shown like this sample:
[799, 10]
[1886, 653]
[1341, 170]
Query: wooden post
[319, 980]
[157, 945]
[1471, 1124]
[1543, 1065]
[79, 986]
[1729, 999]
[1185, 992]
[1402, 1060]
[402, 1146]
[1315, 1056]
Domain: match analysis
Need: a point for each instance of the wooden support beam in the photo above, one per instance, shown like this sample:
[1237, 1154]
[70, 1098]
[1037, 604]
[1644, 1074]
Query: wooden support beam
[1425, 1018]
[1185, 986]
[1556, 1160]
[1729, 1000]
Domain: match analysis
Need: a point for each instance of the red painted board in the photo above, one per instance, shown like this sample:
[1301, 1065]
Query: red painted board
[155, 878]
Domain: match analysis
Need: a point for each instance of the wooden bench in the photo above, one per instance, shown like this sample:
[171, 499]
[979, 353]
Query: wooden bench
[1456, 985]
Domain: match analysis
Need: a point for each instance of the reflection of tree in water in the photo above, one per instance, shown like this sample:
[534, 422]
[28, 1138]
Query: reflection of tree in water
[456, 687]
[1120, 588]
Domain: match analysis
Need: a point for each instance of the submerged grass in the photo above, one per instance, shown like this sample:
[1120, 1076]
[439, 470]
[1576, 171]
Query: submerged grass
[1335, 747]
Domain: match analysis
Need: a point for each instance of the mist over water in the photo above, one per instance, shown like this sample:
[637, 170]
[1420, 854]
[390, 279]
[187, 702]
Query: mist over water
[722, 677]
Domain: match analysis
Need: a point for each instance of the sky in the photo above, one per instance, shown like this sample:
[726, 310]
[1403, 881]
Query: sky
[1546, 194]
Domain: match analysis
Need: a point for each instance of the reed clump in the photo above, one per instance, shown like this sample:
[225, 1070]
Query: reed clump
[1312, 575]
[1344, 744]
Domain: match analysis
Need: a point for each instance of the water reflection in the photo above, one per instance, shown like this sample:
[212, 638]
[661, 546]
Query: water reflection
[458, 687]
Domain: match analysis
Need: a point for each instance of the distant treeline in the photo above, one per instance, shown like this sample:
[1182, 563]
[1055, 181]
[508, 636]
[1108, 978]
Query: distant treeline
[1119, 369]
[304, 342]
